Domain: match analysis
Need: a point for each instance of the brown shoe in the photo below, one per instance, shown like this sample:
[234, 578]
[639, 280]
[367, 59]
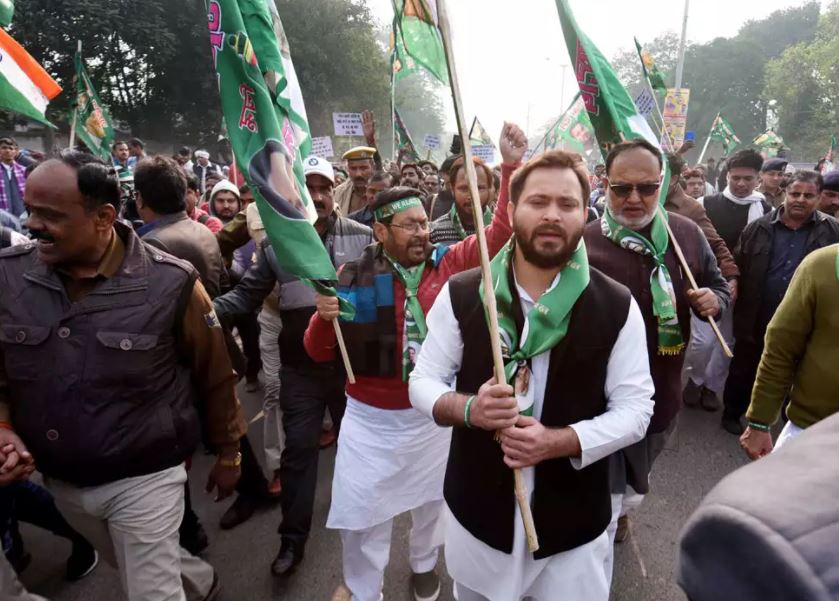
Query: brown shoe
[623, 532]
[342, 593]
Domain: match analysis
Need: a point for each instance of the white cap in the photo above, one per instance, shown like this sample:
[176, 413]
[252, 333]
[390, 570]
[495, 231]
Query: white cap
[202, 154]
[225, 185]
[318, 166]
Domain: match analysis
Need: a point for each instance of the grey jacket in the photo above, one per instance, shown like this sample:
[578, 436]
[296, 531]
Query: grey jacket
[770, 530]
[344, 241]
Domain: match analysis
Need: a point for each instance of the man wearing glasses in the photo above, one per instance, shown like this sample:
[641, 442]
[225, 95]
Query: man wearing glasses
[769, 252]
[392, 458]
[630, 244]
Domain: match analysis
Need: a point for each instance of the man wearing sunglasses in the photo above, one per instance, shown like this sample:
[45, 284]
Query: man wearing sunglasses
[730, 211]
[392, 458]
[768, 254]
[630, 244]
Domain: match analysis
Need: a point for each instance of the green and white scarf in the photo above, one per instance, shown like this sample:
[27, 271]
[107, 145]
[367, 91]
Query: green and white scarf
[414, 330]
[458, 226]
[545, 325]
[670, 341]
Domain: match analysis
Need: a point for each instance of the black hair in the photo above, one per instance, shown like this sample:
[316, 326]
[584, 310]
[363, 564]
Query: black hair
[185, 151]
[748, 158]
[424, 163]
[447, 164]
[385, 197]
[118, 143]
[192, 182]
[8, 140]
[162, 184]
[97, 180]
[136, 142]
[381, 176]
[676, 164]
[634, 144]
[413, 166]
[807, 177]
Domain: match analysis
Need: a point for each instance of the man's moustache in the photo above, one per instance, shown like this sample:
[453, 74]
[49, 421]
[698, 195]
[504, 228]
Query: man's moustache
[41, 235]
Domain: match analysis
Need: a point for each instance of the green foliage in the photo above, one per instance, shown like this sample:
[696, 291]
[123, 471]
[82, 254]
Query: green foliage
[152, 65]
[804, 81]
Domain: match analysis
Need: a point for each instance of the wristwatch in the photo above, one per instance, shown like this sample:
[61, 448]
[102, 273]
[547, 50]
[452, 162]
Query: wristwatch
[235, 462]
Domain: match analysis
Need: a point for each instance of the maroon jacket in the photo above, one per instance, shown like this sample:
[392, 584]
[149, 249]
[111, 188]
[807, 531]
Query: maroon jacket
[633, 271]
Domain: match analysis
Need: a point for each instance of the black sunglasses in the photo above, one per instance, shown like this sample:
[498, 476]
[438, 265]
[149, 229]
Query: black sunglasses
[625, 190]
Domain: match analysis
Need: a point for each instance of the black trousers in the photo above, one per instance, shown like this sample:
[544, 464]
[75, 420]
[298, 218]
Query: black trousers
[248, 329]
[304, 395]
[741, 377]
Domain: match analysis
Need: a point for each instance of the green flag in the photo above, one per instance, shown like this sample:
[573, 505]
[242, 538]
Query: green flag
[266, 124]
[722, 131]
[651, 71]
[770, 142]
[612, 111]
[478, 136]
[573, 130]
[404, 144]
[93, 122]
[415, 40]
[7, 11]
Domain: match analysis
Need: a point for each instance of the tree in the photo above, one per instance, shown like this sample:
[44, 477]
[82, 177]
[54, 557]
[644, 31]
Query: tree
[665, 51]
[152, 65]
[804, 81]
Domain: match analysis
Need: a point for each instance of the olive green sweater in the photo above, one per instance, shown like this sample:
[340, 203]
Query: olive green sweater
[801, 354]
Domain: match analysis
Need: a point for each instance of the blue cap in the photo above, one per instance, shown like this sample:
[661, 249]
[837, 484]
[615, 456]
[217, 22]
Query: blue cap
[774, 164]
[831, 180]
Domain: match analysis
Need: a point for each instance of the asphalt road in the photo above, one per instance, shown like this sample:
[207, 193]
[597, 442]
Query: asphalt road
[700, 453]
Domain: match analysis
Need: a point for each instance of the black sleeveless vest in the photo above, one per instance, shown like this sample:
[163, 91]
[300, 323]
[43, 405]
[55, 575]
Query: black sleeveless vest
[570, 507]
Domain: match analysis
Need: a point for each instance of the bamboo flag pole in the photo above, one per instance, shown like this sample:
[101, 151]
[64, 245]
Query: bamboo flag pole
[692, 281]
[76, 110]
[486, 275]
[664, 131]
[343, 348]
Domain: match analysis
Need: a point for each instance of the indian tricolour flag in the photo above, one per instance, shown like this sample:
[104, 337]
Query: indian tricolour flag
[25, 87]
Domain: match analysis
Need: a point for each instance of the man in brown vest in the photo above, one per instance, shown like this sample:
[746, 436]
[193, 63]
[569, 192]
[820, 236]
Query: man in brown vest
[132, 343]
[630, 244]
[558, 319]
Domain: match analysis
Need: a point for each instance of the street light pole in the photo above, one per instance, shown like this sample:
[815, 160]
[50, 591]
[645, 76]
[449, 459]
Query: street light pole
[680, 66]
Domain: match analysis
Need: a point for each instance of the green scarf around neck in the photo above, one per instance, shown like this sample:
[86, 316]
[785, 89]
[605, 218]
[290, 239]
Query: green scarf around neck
[458, 226]
[546, 324]
[414, 329]
[670, 341]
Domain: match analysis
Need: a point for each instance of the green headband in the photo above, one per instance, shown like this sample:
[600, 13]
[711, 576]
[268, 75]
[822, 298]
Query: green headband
[397, 206]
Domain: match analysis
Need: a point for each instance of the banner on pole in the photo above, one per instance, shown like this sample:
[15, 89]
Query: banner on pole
[645, 103]
[347, 124]
[675, 115]
[322, 147]
[431, 142]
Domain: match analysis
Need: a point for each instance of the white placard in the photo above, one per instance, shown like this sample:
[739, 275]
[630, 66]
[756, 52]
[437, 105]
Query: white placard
[485, 152]
[347, 124]
[431, 142]
[644, 102]
[322, 147]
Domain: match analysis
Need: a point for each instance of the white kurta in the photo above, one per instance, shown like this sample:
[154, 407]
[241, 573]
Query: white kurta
[388, 462]
[581, 573]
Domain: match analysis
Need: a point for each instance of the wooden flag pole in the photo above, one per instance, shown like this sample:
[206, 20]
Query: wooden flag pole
[692, 281]
[486, 275]
[343, 349]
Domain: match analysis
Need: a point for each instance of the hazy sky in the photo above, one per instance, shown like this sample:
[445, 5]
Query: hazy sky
[510, 53]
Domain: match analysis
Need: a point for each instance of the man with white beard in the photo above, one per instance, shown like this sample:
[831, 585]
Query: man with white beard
[630, 244]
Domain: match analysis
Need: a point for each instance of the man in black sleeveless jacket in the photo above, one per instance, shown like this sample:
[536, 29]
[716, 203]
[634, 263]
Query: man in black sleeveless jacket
[575, 351]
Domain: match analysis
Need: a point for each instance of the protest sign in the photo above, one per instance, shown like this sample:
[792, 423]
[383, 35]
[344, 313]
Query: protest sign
[322, 147]
[347, 124]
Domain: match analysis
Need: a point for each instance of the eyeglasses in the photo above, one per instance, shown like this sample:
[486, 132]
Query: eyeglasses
[413, 227]
[625, 190]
